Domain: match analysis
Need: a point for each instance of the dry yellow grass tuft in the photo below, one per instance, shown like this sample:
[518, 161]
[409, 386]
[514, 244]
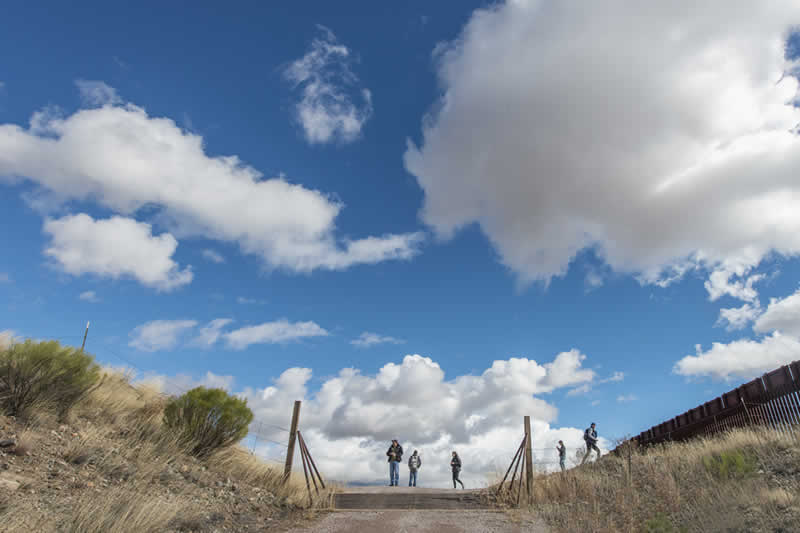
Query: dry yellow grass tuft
[744, 480]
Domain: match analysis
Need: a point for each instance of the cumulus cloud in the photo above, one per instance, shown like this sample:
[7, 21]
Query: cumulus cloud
[744, 358]
[738, 317]
[367, 339]
[332, 106]
[126, 160]
[781, 315]
[211, 332]
[662, 137]
[349, 421]
[279, 331]
[89, 296]
[214, 257]
[159, 334]
[97, 93]
[115, 248]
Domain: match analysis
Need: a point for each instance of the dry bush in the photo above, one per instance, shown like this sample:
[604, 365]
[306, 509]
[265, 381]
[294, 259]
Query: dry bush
[745, 480]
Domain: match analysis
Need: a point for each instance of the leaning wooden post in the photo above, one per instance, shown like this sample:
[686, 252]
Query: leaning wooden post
[287, 470]
[528, 459]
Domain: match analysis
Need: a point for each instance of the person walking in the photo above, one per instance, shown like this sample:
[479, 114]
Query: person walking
[562, 455]
[590, 436]
[395, 455]
[414, 463]
[455, 464]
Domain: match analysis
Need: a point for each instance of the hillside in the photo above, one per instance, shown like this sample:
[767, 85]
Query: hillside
[109, 467]
[746, 480]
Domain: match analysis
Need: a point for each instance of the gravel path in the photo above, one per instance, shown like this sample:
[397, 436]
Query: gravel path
[408, 521]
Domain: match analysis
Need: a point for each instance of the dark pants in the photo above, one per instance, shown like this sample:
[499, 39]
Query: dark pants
[456, 472]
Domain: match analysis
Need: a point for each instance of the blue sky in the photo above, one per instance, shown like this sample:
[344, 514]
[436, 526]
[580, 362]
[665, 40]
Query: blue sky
[453, 179]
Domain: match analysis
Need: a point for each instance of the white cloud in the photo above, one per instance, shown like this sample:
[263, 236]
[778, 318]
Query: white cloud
[248, 301]
[738, 317]
[214, 257]
[580, 391]
[159, 334]
[350, 419]
[613, 378]
[4, 277]
[743, 358]
[211, 332]
[719, 282]
[558, 130]
[781, 315]
[7, 338]
[367, 339]
[89, 296]
[97, 93]
[625, 398]
[327, 109]
[279, 331]
[181, 383]
[125, 160]
[116, 247]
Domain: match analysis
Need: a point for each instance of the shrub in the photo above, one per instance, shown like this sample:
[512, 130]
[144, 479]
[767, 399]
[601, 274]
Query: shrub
[208, 419]
[730, 464]
[44, 372]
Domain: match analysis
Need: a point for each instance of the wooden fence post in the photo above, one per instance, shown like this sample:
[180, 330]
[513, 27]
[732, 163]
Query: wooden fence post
[287, 470]
[528, 459]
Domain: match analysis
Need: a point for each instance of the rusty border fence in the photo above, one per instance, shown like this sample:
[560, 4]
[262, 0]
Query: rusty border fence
[772, 401]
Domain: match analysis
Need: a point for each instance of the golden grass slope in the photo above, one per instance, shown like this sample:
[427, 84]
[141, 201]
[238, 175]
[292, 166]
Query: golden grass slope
[113, 467]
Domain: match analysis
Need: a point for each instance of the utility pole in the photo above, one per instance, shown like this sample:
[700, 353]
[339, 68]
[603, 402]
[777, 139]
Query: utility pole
[85, 333]
[528, 459]
[287, 470]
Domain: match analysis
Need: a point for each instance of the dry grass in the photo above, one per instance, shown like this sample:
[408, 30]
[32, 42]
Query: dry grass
[133, 474]
[746, 480]
[122, 511]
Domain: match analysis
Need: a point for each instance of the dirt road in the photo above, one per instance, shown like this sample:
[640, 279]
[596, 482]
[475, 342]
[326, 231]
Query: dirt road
[407, 521]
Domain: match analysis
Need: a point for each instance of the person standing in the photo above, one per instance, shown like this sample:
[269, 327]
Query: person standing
[562, 455]
[455, 464]
[395, 455]
[590, 436]
[414, 463]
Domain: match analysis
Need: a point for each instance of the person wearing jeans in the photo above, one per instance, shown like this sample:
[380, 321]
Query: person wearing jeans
[414, 462]
[562, 455]
[590, 436]
[395, 455]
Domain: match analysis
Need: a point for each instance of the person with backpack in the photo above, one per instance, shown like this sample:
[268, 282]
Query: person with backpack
[590, 436]
[395, 455]
[562, 455]
[414, 463]
[455, 465]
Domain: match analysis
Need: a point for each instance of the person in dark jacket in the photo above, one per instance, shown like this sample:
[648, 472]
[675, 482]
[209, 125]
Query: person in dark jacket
[562, 455]
[455, 465]
[414, 464]
[590, 436]
[395, 455]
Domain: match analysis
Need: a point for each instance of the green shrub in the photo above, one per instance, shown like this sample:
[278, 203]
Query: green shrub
[33, 373]
[730, 464]
[208, 419]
